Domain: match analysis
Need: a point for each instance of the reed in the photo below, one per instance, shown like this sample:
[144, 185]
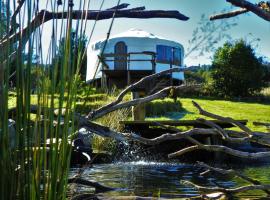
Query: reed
[30, 169]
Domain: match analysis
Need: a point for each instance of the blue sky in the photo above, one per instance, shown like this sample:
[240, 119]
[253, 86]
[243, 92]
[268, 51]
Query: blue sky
[249, 26]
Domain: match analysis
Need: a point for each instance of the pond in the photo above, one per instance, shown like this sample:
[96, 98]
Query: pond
[162, 179]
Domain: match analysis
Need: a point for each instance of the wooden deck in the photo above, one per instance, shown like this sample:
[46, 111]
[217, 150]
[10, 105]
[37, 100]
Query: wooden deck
[123, 73]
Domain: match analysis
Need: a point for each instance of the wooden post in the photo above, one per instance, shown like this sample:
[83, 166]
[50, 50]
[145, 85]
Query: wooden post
[128, 70]
[171, 66]
[218, 156]
[138, 111]
[103, 81]
[153, 63]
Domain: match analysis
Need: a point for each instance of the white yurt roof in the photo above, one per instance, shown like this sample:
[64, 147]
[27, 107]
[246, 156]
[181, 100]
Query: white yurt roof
[130, 35]
[133, 33]
[137, 33]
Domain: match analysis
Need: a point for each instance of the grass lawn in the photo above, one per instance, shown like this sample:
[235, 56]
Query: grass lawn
[251, 111]
[237, 110]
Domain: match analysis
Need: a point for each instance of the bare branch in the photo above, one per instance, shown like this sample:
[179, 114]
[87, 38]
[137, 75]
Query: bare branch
[96, 114]
[261, 124]
[229, 14]
[225, 119]
[17, 10]
[223, 149]
[120, 6]
[224, 133]
[251, 7]
[138, 8]
[231, 173]
[44, 16]
[158, 95]
[229, 191]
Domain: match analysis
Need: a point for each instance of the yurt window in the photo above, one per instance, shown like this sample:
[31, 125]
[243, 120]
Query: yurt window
[168, 54]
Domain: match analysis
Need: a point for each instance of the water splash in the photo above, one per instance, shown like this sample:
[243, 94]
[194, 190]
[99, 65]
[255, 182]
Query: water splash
[134, 152]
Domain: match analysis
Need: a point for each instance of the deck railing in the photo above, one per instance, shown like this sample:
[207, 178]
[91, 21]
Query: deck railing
[125, 60]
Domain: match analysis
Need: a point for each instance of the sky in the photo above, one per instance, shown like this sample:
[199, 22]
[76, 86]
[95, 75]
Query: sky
[249, 26]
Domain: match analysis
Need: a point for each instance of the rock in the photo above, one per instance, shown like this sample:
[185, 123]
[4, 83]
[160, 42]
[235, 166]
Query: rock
[85, 136]
[11, 133]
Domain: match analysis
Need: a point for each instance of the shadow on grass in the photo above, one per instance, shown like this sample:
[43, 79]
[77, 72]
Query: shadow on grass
[178, 115]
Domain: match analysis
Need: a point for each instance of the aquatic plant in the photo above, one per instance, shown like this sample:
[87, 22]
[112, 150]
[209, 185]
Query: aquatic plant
[32, 169]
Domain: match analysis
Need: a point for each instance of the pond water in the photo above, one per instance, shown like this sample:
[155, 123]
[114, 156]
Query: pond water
[158, 179]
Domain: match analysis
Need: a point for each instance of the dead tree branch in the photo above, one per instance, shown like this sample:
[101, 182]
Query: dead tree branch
[113, 105]
[224, 134]
[45, 16]
[231, 173]
[258, 137]
[246, 7]
[261, 124]
[225, 190]
[225, 119]
[230, 14]
[223, 149]
[119, 7]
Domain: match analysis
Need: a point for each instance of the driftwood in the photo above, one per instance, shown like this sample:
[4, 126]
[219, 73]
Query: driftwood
[241, 137]
[105, 109]
[227, 190]
[246, 6]
[230, 173]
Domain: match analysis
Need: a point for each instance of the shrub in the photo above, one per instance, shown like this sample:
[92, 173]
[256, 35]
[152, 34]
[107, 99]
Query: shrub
[161, 107]
[236, 71]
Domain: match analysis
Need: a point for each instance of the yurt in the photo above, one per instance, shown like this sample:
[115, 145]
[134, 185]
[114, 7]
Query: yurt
[131, 55]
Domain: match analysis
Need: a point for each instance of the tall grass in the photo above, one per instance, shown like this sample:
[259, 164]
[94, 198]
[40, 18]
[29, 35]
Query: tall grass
[29, 169]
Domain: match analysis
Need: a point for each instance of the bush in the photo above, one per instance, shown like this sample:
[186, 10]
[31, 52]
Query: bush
[236, 71]
[161, 107]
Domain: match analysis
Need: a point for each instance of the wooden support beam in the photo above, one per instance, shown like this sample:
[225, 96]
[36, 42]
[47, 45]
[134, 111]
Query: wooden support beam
[138, 111]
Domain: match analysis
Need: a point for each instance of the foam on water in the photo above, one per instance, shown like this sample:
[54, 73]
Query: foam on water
[149, 163]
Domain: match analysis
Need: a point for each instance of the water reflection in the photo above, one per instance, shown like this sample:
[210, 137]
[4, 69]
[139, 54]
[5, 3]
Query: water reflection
[153, 179]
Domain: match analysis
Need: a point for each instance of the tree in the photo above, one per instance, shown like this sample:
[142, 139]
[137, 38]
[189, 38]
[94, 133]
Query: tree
[3, 19]
[78, 48]
[236, 70]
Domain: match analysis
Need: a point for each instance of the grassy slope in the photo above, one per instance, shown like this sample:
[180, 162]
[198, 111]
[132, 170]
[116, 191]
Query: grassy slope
[237, 110]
